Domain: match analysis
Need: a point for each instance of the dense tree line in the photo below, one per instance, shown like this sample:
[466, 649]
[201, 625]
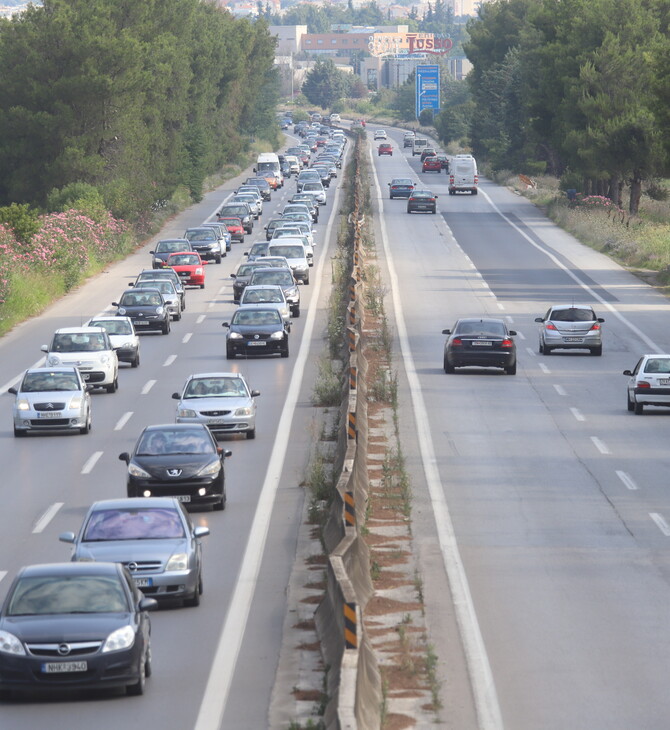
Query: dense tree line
[132, 98]
[579, 88]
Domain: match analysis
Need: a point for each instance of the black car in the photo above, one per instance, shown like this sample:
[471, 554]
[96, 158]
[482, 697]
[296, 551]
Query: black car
[270, 227]
[423, 201]
[241, 211]
[482, 343]
[241, 277]
[444, 160]
[206, 242]
[179, 460]
[71, 626]
[262, 184]
[167, 273]
[256, 332]
[165, 247]
[400, 187]
[146, 309]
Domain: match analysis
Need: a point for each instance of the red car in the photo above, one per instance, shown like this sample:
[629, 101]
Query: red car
[432, 164]
[234, 226]
[385, 149]
[189, 267]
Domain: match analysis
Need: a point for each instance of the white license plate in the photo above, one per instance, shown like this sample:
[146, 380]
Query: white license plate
[256, 344]
[50, 414]
[572, 339]
[64, 667]
[183, 498]
[664, 381]
[143, 582]
[482, 343]
[140, 323]
[215, 421]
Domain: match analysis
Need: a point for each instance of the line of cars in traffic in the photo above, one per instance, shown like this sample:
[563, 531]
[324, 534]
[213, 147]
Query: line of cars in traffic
[84, 623]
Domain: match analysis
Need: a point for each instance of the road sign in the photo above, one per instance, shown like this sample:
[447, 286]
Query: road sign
[427, 88]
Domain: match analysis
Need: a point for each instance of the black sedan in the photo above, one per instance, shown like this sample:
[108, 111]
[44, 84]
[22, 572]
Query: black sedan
[422, 201]
[401, 187]
[256, 332]
[146, 308]
[482, 343]
[179, 460]
[74, 626]
[165, 247]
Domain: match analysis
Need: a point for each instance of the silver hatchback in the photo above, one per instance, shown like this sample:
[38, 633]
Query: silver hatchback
[570, 327]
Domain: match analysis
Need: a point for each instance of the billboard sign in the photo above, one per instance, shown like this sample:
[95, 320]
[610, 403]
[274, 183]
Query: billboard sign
[427, 89]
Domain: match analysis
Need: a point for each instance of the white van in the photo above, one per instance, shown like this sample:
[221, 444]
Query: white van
[268, 164]
[463, 177]
[419, 145]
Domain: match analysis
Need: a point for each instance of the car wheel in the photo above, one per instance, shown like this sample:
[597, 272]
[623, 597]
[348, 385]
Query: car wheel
[19, 433]
[474, 192]
[113, 387]
[597, 350]
[86, 429]
[547, 350]
[194, 600]
[220, 505]
[638, 408]
[230, 355]
[177, 317]
[251, 433]
[166, 328]
[295, 312]
[284, 352]
[448, 367]
[148, 666]
[218, 259]
[511, 369]
[629, 402]
[202, 286]
[136, 361]
[434, 211]
[306, 281]
[137, 689]
[183, 304]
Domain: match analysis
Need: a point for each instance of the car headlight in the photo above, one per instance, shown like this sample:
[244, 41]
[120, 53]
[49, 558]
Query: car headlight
[292, 292]
[53, 360]
[158, 261]
[135, 471]
[179, 561]
[211, 469]
[234, 336]
[128, 344]
[159, 310]
[121, 311]
[22, 405]
[246, 411]
[198, 272]
[9, 644]
[279, 335]
[122, 638]
[186, 413]
[75, 403]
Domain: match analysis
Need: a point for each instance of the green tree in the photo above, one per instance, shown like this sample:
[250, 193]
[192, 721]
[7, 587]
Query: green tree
[324, 84]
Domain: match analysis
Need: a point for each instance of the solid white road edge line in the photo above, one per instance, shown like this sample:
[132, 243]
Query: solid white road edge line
[46, 518]
[221, 675]
[481, 677]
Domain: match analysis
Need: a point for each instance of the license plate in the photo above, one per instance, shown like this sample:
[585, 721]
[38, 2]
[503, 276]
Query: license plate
[256, 343]
[572, 339]
[50, 414]
[143, 582]
[664, 381]
[482, 343]
[141, 322]
[215, 421]
[64, 667]
[183, 498]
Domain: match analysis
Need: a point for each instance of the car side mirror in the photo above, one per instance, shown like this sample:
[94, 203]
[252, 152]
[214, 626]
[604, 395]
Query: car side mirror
[628, 372]
[89, 387]
[44, 348]
[255, 393]
[201, 531]
[115, 304]
[446, 332]
[227, 453]
[124, 456]
[176, 396]
[147, 604]
[511, 333]
[152, 252]
[67, 537]
[539, 319]
[600, 319]
[13, 391]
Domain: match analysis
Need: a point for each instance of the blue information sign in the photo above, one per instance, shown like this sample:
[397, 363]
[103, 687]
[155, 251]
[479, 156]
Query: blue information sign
[427, 88]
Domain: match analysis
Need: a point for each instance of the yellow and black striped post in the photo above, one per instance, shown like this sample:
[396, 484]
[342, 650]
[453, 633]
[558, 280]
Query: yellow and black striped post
[352, 290]
[349, 511]
[353, 377]
[351, 425]
[352, 316]
[350, 633]
[351, 336]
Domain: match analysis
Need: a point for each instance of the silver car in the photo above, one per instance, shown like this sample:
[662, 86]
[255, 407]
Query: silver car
[169, 292]
[153, 537]
[122, 335]
[51, 399]
[221, 401]
[570, 327]
[649, 383]
[261, 296]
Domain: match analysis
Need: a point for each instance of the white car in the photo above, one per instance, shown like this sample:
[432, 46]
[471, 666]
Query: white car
[124, 339]
[90, 350]
[288, 235]
[380, 134]
[649, 383]
[262, 296]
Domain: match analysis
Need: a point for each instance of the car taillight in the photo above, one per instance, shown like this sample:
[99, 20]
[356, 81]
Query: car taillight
[456, 342]
[507, 344]
[451, 179]
[642, 384]
[596, 326]
[550, 326]
[476, 179]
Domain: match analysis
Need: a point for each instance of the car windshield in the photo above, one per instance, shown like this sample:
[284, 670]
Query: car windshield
[206, 235]
[279, 277]
[165, 286]
[289, 252]
[401, 181]
[313, 186]
[657, 365]
[141, 299]
[422, 194]
[170, 246]
[40, 382]
[258, 248]
[490, 329]
[245, 270]
[114, 326]
[155, 443]
[48, 595]
[133, 524]
[215, 388]
[231, 221]
[572, 315]
[78, 343]
[259, 296]
[236, 211]
[158, 275]
[256, 318]
[183, 259]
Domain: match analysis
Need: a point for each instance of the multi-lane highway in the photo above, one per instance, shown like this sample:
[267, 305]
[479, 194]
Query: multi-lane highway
[539, 495]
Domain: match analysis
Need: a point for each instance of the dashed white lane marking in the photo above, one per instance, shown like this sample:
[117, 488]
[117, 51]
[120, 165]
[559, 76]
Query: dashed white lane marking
[660, 523]
[521, 335]
[559, 389]
[626, 479]
[545, 369]
[501, 306]
[123, 420]
[186, 337]
[201, 319]
[600, 445]
[169, 360]
[530, 351]
[211, 304]
[148, 386]
[46, 518]
[577, 414]
[93, 460]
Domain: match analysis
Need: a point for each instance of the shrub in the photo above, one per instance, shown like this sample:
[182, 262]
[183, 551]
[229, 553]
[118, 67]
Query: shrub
[21, 219]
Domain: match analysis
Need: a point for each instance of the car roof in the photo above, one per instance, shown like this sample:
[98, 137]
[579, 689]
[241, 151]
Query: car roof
[78, 330]
[112, 318]
[89, 567]
[571, 306]
[216, 375]
[57, 369]
[179, 426]
[481, 319]
[134, 503]
[402, 180]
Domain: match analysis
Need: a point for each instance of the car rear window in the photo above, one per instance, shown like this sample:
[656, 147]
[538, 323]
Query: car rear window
[574, 314]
